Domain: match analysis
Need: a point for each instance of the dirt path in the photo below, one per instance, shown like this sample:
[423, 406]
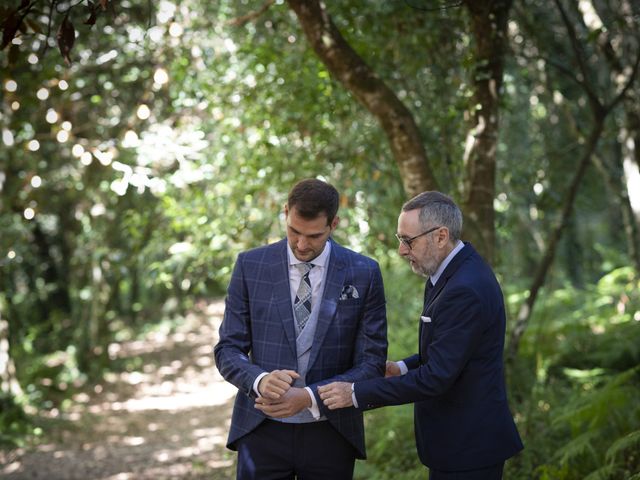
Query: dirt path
[168, 419]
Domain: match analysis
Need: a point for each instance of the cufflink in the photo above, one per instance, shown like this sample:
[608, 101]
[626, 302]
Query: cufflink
[425, 319]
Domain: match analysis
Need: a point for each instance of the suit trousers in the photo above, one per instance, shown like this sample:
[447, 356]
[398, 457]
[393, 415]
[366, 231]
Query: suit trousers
[287, 451]
[493, 472]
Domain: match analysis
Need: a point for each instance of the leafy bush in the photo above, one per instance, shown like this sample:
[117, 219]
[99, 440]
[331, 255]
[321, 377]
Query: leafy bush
[577, 405]
[573, 391]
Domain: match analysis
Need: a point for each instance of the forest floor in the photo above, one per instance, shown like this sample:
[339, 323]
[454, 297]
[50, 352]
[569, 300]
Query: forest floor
[168, 419]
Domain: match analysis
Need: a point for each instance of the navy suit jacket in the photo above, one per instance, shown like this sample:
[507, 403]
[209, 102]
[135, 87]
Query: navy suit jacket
[456, 381]
[257, 333]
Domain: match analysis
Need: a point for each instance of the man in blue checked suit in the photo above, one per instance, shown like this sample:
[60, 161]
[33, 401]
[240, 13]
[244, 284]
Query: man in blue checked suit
[464, 429]
[300, 313]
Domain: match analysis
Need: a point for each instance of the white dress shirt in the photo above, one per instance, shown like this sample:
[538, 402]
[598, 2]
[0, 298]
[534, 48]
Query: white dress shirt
[317, 276]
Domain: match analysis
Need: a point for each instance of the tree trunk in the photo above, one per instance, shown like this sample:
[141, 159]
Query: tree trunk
[630, 204]
[618, 189]
[489, 24]
[8, 383]
[600, 113]
[628, 196]
[526, 308]
[357, 77]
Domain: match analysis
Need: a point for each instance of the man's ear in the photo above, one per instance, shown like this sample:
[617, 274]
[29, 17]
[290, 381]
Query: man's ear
[335, 222]
[443, 235]
[286, 210]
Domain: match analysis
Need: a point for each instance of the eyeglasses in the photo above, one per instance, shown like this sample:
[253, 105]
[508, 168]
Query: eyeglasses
[408, 241]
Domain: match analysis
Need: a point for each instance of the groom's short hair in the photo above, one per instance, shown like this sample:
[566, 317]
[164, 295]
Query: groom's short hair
[312, 197]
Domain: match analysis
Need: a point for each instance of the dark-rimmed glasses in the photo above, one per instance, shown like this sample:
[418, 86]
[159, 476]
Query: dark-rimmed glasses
[408, 241]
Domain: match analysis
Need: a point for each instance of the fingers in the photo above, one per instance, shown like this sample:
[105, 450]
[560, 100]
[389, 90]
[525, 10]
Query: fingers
[392, 369]
[324, 389]
[328, 394]
[292, 402]
[275, 410]
[277, 383]
[335, 402]
[336, 395]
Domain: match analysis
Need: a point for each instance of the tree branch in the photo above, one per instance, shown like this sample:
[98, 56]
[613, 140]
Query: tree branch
[357, 77]
[575, 45]
[526, 309]
[625, 89]
[249, 17]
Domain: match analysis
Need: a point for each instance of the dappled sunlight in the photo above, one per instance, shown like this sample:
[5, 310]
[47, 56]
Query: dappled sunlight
[178, 384]
[167, 419]
[217, 395]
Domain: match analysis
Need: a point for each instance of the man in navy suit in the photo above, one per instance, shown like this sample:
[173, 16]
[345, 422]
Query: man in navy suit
[300, 313]
[464, 429]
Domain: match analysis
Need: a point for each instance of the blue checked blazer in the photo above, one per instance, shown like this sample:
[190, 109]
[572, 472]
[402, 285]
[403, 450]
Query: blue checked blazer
[257, 333]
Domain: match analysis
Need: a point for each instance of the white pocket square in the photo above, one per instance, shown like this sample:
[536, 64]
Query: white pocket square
[349, 291]
[425, 319]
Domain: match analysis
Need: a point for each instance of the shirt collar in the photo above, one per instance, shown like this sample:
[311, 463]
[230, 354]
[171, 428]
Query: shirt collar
[436, 276]
[320, 261]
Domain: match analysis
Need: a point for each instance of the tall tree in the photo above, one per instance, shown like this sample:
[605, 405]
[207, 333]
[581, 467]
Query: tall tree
[602, 100]
[488, 25]
[371, 91]
[9, 386]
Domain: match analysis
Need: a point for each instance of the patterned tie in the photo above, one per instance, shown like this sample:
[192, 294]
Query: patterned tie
[302, 303]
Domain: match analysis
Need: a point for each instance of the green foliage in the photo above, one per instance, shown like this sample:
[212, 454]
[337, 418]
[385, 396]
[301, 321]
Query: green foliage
[584, 350]
[15, 423]
[184, 131]
[573, 391]
[390, 446]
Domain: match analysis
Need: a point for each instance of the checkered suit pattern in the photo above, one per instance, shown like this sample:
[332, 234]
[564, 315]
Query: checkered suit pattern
[258, 334]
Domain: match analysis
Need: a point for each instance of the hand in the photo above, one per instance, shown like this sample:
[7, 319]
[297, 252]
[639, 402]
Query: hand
[336, 395]
[293, 401]
[275, 384]
[392, 369]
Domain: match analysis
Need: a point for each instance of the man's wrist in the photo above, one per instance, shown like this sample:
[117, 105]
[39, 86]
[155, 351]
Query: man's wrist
[256, 383]
[309, 397]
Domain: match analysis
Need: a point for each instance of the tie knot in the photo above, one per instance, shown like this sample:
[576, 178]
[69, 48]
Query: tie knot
[304, 267]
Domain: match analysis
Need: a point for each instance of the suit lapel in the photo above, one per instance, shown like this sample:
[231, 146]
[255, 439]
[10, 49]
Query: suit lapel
[432, 294]
[281, 295]
[332, 289]
[428, 291]
[451, 269]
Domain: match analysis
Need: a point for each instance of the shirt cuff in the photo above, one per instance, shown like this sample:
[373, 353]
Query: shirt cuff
[256, 382]
[402, 366]
[353, 396]
[313, 409]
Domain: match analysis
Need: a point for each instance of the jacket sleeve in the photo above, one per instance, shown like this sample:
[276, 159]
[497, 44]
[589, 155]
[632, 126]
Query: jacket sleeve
[458, 331]
[370, 350]
[233, 349]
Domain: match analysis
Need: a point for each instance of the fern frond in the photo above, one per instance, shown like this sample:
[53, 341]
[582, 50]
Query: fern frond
[608, 472]
[594, 409]
[578, 447]
[628, 442]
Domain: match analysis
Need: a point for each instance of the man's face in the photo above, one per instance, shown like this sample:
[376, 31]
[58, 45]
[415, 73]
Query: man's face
[424, 256]
[307, 238]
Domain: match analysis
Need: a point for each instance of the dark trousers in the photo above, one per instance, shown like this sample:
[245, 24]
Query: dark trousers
[493, 472]
[286, 451]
